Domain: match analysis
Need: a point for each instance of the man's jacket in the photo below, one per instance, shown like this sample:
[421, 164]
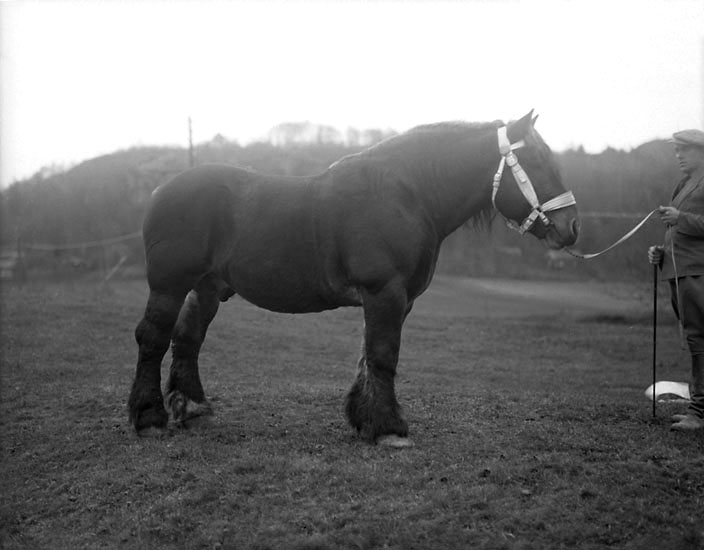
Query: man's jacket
[687, 236]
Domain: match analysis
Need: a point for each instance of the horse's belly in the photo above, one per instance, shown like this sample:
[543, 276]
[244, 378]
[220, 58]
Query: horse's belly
[280, 261]
[285, 300]
[283, 291]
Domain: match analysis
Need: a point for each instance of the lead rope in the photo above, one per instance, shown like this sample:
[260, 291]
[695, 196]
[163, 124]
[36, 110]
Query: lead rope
[627, 236]
[614, 245]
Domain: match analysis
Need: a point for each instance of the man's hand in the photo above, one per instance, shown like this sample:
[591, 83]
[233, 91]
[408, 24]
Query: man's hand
[669, 215]
[656, 254]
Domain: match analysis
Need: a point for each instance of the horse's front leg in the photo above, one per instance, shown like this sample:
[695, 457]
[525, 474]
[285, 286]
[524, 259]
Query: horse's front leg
[372, 407]
[185, 398]
[153, 334]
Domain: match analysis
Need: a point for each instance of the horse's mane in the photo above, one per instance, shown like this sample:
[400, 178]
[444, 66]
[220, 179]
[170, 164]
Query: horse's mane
[439, 131]
[455, 126]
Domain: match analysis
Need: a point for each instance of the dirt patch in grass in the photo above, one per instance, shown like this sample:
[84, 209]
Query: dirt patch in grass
[531, 431]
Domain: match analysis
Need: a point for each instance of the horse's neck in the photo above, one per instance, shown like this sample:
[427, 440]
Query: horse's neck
[457, 183]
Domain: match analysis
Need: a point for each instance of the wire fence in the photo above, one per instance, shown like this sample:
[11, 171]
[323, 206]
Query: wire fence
[82, 245]
[22, 261]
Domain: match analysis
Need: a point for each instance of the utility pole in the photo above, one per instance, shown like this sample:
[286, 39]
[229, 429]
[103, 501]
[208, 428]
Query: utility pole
[190, 143]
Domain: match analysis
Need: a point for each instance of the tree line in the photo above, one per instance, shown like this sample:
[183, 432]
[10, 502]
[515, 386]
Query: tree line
[106, 197]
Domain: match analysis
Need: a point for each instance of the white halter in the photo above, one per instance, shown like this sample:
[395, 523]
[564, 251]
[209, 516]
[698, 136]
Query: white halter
[506, 149]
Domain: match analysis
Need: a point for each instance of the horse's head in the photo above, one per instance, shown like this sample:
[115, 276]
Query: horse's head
[528, 188]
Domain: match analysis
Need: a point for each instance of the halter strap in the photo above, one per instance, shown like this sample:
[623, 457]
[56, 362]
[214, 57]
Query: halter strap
[506, 149]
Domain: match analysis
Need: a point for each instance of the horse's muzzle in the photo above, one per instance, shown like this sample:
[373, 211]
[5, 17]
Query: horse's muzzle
[563, 230]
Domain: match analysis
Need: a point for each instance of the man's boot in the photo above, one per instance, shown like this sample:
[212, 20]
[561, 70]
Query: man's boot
[694, 419]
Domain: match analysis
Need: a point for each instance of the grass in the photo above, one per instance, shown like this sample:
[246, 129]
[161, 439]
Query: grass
[530, 432]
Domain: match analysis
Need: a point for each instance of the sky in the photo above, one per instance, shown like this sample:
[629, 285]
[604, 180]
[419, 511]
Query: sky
[80, 79]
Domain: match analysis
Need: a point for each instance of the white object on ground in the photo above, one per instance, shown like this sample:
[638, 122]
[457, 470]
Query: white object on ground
[680, 389]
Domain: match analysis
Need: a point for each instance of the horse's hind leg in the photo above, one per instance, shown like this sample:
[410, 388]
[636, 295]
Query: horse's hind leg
[185, 397]
[153, 334]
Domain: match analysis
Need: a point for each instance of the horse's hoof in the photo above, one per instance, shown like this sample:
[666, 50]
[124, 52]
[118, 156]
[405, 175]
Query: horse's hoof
[394, 441]
[150, 422]
[185, 412]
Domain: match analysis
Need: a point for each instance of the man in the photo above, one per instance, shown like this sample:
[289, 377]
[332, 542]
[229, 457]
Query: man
[682, 263]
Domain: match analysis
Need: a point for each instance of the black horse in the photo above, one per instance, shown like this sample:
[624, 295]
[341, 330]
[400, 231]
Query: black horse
[366, 232]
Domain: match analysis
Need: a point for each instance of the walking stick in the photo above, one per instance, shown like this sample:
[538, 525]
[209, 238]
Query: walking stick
[655, 329]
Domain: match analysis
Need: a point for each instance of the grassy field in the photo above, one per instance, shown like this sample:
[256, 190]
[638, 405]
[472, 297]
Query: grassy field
[530, 426]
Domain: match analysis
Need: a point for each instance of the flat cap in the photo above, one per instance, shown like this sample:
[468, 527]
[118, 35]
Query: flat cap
[688, 137]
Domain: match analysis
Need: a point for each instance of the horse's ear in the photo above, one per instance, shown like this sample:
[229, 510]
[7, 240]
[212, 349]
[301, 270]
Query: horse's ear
[534, 119]
[519, 129]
